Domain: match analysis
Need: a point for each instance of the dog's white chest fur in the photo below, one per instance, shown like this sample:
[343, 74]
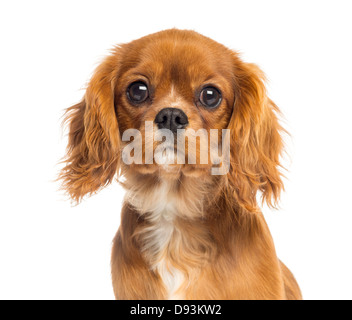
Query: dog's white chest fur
[160, 208]
[172, 277]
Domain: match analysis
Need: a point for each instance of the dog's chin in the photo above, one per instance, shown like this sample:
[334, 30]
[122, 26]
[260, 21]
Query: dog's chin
[167, 158]
[176, 171]
[170, 164]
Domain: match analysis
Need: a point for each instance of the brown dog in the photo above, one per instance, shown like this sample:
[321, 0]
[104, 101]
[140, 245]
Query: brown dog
[185, 233]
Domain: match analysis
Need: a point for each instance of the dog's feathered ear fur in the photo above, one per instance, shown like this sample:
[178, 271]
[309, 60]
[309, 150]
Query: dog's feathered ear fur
[256, 142]
[92, 158]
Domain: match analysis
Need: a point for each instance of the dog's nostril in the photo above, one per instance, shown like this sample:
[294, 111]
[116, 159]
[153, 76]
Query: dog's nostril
[172, 119]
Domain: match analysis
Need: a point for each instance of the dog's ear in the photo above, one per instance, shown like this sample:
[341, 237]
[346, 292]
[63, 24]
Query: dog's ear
[256, 142]
[93, 151]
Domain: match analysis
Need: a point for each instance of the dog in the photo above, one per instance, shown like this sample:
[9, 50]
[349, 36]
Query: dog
[185, 232]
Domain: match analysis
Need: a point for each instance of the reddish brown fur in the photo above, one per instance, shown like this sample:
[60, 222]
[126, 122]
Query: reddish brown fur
[221, 242]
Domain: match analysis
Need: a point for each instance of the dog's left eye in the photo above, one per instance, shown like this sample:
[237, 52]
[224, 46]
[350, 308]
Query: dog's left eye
[137, 92]
[210, 97]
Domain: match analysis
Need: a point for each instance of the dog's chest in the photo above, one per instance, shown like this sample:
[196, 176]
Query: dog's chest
[161, 237]
[171, 276]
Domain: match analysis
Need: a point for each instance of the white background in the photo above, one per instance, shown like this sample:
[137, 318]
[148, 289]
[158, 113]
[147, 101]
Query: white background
[50, 249]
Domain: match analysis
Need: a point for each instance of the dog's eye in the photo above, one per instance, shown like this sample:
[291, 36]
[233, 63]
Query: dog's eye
[137, 92]
[210, 97]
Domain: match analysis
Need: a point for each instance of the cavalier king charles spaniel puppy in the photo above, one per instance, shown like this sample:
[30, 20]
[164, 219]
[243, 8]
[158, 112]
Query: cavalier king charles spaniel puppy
[187, 231]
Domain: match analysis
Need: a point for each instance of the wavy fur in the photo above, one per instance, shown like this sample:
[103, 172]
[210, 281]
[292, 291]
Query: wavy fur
[184, 233]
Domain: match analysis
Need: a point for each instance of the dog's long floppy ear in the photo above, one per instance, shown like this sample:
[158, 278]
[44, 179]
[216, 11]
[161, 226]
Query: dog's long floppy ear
[92, 158]
[256, 142]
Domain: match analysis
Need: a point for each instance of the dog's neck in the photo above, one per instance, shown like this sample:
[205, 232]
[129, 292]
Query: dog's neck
[187, 196]
[172, 210]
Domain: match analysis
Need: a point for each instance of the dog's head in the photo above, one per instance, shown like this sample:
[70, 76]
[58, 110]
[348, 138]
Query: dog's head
[178, 82]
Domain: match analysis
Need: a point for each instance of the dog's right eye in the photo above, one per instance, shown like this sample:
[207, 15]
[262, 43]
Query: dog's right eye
[137, 92]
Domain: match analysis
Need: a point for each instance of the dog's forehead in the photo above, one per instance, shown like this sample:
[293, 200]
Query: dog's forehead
[179, 58]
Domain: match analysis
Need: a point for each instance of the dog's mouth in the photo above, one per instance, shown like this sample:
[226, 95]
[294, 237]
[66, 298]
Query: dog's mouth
[164, 150]
[169, 155]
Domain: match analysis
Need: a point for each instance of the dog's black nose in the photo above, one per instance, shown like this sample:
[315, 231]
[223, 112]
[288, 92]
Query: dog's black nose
[172, 119]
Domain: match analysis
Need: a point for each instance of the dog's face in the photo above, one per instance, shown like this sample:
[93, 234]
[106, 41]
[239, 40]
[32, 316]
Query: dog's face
[174, 80]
